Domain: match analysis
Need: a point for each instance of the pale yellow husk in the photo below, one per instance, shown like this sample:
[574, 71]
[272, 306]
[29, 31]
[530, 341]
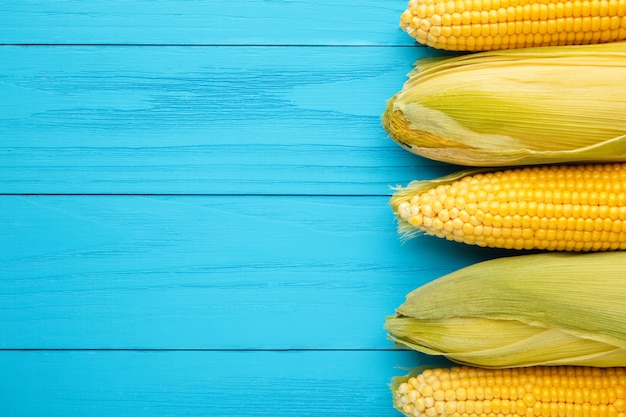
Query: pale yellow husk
[515, 107]
[539, 309]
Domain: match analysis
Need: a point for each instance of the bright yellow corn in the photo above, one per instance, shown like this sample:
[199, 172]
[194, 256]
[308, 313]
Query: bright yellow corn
[549, 207]
[541, 309]
[522, 392]
[515, 107]
[474, 25]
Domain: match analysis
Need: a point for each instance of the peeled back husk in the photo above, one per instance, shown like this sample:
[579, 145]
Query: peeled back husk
[515, 107]
[538, 309]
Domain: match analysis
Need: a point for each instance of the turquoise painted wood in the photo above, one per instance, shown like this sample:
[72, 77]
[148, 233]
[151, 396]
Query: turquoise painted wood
[193, 208]
[198, 272]
[195, 22]
[202, 120]
[198, 383]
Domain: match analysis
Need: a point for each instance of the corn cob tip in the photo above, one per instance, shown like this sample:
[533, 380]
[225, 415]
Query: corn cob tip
[396, 125]
[428, 144]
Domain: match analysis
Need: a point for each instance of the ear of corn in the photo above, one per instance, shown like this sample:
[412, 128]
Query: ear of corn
[540, 309]
[548, 207]
[515, 107]
[460, 25]
[561, 391]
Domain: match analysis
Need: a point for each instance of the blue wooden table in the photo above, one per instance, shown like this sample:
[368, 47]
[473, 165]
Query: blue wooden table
[193, 208]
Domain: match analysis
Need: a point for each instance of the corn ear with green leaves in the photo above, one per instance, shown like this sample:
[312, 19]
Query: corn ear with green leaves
[515, 107]
[538, 309]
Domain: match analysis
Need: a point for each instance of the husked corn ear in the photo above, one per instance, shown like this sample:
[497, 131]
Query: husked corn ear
[515, 107]
[556, 391]
[578, 207]
[541, 309]
[475, 25]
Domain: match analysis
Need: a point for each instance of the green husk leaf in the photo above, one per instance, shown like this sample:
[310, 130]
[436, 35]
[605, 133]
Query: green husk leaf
[515, 107]
[540, 309]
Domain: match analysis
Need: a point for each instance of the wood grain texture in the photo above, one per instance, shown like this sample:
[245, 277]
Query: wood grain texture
[200, 383]
[215, 22]
[202, 120]
[193, 208]
[85, 272]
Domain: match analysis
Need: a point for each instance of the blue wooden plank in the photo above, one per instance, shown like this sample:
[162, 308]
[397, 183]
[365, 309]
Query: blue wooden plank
[208, 120]
[217, 22]
[198, 384]
[260, 285]
[208, 272]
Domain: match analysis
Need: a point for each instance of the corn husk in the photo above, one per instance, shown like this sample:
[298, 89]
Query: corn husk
[515, 107]
[539, 309]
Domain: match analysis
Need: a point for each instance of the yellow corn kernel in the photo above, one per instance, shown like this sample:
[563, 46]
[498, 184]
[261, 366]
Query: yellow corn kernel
[524, 206]
[548, 391]
[591, 22]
